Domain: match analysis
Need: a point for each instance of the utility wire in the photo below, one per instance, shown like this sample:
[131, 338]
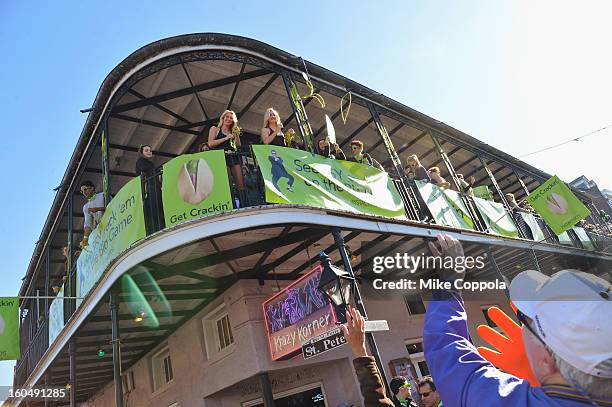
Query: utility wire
[568, 141]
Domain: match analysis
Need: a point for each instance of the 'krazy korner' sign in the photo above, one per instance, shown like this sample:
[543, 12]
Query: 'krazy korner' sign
[297, 314]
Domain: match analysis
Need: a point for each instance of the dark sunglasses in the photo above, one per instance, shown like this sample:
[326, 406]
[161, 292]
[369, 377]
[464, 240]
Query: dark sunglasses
[524, 320]
[426, 394]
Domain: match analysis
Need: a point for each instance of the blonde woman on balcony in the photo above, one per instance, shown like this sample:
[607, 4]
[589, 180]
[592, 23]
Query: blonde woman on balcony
[272, 130]
[223, 137]
[436, 178]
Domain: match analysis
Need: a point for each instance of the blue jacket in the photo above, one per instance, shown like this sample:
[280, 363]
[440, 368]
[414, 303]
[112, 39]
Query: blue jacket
[464, 378]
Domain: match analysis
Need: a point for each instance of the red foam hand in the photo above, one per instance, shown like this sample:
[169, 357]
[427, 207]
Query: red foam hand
[510, 355]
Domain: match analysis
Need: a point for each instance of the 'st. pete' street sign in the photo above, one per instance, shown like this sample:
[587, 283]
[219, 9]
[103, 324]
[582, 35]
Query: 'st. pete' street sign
[322, 343]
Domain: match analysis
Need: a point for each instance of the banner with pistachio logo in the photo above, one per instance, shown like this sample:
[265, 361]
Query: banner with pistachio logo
[557, 205]
[195, 185]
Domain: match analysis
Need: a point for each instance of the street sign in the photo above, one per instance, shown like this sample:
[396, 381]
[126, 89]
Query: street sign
[322, 343]
[376, 326]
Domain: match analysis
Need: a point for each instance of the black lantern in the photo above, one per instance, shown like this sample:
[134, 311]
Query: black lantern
[335, 283]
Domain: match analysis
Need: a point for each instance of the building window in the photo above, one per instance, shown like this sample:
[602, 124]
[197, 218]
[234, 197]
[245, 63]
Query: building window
[162, 369]
[414, 348]
[423, 369]
[218, 335]
[417, 358]
[224, 332]
[127, 381]
[415, 304]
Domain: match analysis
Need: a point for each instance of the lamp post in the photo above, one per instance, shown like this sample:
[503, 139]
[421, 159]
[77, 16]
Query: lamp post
[339, 285]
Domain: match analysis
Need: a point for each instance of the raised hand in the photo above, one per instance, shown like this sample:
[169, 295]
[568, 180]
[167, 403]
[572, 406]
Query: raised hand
[447, 246]
[354, 332]
[510, 355]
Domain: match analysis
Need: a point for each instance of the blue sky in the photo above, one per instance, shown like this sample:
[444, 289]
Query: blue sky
[517, 75]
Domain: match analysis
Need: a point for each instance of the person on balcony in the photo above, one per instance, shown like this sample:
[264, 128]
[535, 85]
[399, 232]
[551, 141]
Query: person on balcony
[92, 210]
[415, 170]
[358, 156]
[144, 165]
[466, 185]
[151, 187]
[272, 130]
[334, 153]
[514, 206]
[436, 178]
[224, 136]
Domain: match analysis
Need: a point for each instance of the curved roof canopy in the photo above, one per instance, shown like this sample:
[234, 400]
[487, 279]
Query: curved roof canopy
[168, 94]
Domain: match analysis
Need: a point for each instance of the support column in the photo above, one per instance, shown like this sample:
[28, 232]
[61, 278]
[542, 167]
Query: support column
[73, 378]
[70, 281]
[300, 112]
[114, 308]
[47, 282]
[521, 182]
[266, 389]
[105, 164]
[397, 162]
[47, 383]
[451, 170]
[502, 196]
[382, 131]
[339, 239]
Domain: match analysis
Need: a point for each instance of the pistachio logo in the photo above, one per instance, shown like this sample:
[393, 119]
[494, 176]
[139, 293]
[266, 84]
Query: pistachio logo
[195, 181]
[556, 204]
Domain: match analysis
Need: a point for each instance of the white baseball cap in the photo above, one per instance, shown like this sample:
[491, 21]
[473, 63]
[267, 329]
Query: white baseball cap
[572, 314]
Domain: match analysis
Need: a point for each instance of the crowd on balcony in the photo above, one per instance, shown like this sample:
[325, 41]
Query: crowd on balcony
[226, 136]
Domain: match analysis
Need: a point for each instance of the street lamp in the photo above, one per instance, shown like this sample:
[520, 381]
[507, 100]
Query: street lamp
[337, 285]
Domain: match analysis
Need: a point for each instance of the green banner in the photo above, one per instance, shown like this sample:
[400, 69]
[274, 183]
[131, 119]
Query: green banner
[532, 223]
[299, 177]
[557, 205]
[483, 192]
[496, 218]
[9, 328]
[120, 227]
[454, 199]
[584, 238]
[56, 316]
[446, 206]
[195, 185]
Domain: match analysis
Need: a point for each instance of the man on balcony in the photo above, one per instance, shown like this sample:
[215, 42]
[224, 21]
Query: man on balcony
[92, 210]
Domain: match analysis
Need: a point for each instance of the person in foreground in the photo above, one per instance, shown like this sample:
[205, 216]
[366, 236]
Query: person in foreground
[370, 381]
[429, 393]
[566, 332]
[400, 388]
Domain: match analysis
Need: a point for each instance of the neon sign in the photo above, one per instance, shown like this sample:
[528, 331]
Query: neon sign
[296, 314]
